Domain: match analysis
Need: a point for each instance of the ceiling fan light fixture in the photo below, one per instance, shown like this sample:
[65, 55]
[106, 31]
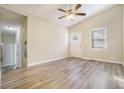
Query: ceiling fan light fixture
[70, 16]
[10, 27]
[71, 13]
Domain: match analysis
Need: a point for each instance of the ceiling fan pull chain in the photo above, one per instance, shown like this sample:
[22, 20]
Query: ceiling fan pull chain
[70, 6]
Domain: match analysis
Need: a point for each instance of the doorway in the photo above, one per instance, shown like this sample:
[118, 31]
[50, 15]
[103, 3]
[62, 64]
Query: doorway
[13, 29]
[76, 44]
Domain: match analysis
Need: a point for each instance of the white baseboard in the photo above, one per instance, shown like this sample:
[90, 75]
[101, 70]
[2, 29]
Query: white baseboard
[123, 64]
[102, 60]
[46, 61]
[59, 58]
[7, 65]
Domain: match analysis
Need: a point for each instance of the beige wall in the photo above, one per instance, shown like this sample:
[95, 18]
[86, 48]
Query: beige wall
[46, 40]
[40, 32]
[0, 35]
[123, 35]
[24, 42]
[112, 19]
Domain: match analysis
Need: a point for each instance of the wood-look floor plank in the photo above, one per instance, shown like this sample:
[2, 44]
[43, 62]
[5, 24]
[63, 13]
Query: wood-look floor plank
[66, 74]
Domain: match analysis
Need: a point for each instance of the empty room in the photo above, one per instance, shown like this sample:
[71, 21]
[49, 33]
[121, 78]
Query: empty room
[62, 46]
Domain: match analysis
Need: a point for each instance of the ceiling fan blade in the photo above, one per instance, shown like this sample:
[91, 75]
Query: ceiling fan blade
[77, 6]
[62, 17]
[62, 10]
[80, 14]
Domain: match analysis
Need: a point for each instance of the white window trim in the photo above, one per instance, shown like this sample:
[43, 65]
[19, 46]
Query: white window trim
[99, 49]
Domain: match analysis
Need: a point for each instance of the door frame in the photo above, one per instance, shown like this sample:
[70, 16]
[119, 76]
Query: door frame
[1, 53]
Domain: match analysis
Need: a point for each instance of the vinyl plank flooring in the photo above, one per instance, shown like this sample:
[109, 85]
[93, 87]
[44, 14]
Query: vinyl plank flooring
[69, 73]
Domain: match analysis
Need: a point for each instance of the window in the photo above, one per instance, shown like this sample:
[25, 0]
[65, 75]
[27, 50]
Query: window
[75, 37]
[98, 38]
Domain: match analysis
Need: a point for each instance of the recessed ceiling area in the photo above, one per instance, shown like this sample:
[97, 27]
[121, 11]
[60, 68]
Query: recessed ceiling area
[50, 12]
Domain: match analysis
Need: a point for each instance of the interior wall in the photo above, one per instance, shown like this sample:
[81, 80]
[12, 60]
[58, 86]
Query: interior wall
[46, 40]
[0, 35]
[112, 19]
[123, 35]
[18, 48]
[24, 42]
[0, 56]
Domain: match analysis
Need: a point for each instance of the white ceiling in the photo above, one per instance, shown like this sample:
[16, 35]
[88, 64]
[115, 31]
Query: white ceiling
[50, 12]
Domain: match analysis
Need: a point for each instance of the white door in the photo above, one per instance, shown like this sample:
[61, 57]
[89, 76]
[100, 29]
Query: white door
[76, 44]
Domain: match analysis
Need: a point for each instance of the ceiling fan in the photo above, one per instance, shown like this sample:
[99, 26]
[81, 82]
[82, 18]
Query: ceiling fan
[70, 13]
